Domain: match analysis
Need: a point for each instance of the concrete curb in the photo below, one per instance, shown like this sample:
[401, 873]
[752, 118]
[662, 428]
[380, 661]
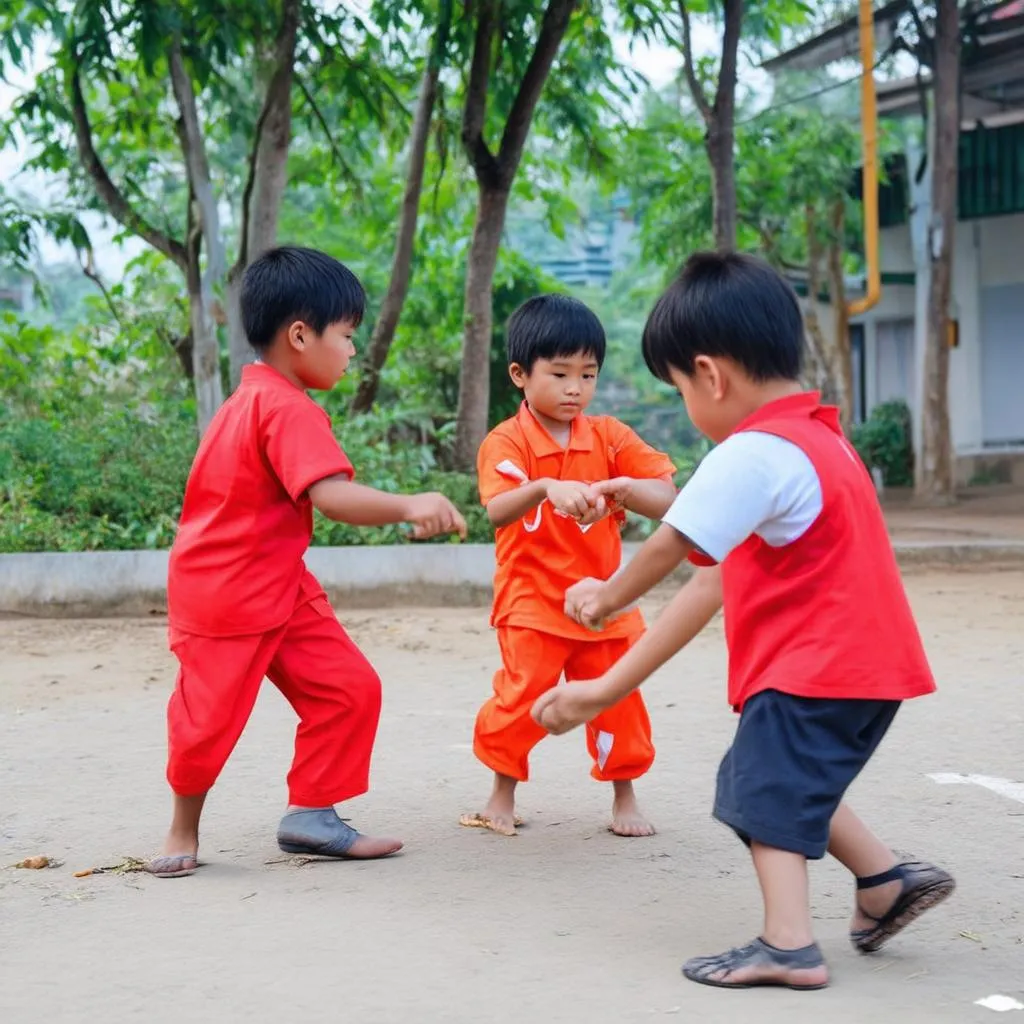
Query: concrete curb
[104, 583]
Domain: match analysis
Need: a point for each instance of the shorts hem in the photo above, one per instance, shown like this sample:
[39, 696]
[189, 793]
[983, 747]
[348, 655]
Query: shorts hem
[325, 798]
[500, 769]
[767, 835]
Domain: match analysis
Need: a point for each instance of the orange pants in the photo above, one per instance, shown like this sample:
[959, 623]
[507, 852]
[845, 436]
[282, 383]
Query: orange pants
[619, 739]
[323, 675]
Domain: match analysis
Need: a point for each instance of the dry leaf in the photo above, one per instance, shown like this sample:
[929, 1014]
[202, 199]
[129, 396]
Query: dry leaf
[34, 863]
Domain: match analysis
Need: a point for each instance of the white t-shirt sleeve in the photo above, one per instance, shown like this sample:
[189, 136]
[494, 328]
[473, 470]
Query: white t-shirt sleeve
[752, 483]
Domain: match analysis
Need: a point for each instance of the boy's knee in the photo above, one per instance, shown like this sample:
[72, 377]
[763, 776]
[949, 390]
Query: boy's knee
[362, 688]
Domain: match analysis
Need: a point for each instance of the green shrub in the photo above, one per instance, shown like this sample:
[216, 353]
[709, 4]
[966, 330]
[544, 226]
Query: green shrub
[885, 442]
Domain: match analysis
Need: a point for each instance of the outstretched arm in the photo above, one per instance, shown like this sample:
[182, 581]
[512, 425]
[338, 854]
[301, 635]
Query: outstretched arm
[590, 602]
[340, 499]
[566, 707]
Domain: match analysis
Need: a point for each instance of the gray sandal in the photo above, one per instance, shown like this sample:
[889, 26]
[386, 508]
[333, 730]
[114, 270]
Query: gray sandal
[319, 833]
[757, 954]
[923, 887]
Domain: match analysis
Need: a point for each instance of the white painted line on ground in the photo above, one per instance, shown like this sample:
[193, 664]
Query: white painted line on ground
[1001, 1004]
[1004, 787]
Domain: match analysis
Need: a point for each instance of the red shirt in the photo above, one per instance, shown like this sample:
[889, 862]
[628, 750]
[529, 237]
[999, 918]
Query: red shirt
[543, 554]
[246, 522]
[825, 616]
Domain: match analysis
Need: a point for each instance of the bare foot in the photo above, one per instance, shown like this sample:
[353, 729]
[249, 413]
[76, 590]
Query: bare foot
[499, 814]
[371, 847]
[627, 818]
[178, 858]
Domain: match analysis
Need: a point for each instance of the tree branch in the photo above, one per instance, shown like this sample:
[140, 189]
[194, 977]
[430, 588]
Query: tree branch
[114, 199]
[520, 117]
[474, 113]
[336, 152]
[250, 184]
[696, 89]
[88, 265]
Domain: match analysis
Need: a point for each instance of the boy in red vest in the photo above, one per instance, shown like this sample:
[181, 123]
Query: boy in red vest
[822, 643]
[242, 604]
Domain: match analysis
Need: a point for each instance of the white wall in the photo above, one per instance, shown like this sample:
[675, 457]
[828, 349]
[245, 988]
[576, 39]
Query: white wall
[987, 253]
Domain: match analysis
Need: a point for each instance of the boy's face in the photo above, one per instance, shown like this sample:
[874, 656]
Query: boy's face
[559, 388]
[322, 359]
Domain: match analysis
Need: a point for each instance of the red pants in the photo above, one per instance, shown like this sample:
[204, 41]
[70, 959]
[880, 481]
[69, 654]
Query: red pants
[323, 675]
[619, 739]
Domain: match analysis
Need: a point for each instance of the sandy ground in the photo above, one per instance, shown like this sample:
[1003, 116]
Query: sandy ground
[563, 923]
[982, 514]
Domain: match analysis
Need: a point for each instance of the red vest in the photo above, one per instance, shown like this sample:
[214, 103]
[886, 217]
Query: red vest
[827, 615]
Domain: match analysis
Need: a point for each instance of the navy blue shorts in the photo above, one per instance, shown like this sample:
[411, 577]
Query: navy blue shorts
[791, 762]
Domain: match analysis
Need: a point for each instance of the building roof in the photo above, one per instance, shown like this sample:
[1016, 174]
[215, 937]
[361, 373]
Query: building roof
[993, 62]
[840, 42]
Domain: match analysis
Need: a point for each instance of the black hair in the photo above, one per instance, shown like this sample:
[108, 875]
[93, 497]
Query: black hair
[731, 305]
[289, 283]
[550, 326]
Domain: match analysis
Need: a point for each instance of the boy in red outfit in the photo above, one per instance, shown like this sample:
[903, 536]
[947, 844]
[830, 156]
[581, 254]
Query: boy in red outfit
[822, 643]
[549, 477]
[241, 603]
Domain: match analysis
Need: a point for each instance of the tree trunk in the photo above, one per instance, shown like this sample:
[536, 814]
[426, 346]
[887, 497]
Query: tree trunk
[401, 266]
[475, 375]
[719, 118]
[842, 352]
[495, 175]
[720, 143]
[182, 348]
[268, 178]
[206, 380]
[820, 372]
[240, 352]
[934, 479]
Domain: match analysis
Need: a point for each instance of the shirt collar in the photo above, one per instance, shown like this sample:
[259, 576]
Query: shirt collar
[260, 373]
[581, 434]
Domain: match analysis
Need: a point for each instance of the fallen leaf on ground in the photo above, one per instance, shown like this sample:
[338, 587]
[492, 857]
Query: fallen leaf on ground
[34, 863]
[127, 866]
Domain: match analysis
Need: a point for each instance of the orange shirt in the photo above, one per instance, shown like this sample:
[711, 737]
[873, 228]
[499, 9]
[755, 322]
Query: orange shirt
[237, 561]
[543, 554]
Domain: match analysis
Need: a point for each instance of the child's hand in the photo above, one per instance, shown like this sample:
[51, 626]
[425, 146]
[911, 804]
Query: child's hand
[432, 514]
[566, 707]
[574, 499]
[583, 603]
[617, 491]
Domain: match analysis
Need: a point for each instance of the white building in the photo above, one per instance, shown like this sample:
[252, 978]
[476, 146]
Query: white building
[986, 370]
[986, 366]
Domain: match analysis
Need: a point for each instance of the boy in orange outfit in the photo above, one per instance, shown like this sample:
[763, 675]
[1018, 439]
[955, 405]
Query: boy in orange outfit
[241, 603]
[555, 483]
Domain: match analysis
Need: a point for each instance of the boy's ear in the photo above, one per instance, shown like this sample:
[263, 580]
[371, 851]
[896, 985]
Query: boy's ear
[518, 374]
[298, 334]
[712, 373]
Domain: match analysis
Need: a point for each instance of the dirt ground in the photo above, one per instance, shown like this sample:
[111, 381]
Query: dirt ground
[981, 514]
[564, 923]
